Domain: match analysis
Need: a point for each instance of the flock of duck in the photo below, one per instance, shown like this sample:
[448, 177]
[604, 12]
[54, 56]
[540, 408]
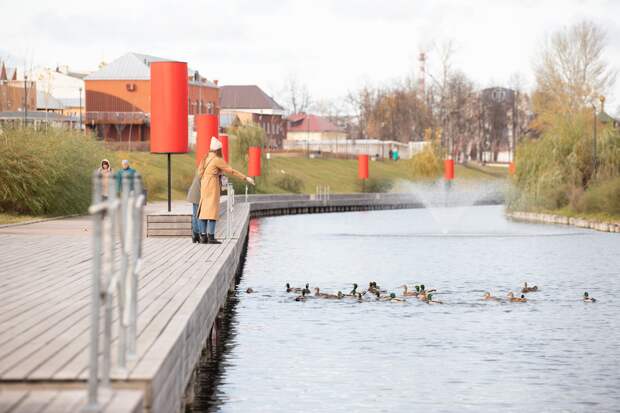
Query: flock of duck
[418, 291]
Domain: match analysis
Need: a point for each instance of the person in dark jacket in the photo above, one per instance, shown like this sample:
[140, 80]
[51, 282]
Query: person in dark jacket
[125, 171]
[193, 196]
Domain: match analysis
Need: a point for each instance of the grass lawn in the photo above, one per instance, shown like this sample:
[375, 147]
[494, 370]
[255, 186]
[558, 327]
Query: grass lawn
[339, 174]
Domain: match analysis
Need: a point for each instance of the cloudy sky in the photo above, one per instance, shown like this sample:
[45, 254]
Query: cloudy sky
[331, 45]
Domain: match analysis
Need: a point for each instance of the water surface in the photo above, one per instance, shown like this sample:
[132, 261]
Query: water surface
[554, 353]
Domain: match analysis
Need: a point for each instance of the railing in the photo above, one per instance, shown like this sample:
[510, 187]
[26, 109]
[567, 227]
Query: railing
[115, 117]
[230, 204]
[323, 193]
[117, 222]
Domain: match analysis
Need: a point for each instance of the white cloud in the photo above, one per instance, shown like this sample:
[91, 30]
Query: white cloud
[334, 46]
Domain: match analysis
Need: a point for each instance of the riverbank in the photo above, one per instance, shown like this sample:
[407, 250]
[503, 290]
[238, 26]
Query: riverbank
[603, 226]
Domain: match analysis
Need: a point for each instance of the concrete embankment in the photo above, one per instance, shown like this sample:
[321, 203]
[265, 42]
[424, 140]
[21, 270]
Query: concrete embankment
[563, 220]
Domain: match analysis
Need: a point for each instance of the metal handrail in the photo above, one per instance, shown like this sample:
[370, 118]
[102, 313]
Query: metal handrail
[230, 204]
[118, 226]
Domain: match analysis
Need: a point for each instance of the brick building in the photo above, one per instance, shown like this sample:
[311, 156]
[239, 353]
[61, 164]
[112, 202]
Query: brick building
[118, 98]
[248, 103]
[13, 91]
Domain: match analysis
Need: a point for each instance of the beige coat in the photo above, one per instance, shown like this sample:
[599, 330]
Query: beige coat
[212, 167]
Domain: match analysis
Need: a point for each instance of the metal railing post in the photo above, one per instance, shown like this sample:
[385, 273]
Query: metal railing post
[93, 376]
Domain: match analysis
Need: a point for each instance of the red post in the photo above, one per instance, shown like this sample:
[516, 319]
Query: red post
[448, 165]
[512, 168]
[362, 166]
[254, 161]
[224, 140]
[206, 127]
[168, 107]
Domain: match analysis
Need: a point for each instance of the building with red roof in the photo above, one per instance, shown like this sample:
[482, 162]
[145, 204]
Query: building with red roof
[307, 127]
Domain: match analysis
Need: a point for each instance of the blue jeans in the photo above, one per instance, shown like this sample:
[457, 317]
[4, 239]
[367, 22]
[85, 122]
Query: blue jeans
[202, 226]
[198, 225]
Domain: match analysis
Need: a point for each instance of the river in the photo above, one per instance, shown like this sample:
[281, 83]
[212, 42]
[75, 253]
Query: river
[554, 353]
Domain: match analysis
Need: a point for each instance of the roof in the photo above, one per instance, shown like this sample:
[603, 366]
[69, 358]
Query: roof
[47, 101]
[301, 122]
[71, 102]
[133, 66]
[246, 97]
[130, 66]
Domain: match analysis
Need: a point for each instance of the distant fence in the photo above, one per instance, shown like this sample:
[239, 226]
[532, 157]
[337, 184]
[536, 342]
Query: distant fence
[374, 147]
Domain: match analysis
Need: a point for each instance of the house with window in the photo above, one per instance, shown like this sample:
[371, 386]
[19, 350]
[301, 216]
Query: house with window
[118, 98]
[307, 127]
[249, 103]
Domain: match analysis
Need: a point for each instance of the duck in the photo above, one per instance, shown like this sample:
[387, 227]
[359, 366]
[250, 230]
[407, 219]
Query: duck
[360, 297]
[290, 289]
[513, 299]
[527, 289]
[301, 297]
[424, 290]
[408, 293]
[587, 298]
[318, 293]
[337, 296]
[429, 299]
[392, 297]
[250, 290]
[487, 296]
[353, 292]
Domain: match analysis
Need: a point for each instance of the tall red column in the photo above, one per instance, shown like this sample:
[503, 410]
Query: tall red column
[362, 166]
[169, 112]
[448, 166]
[254, 161]
[206, 127]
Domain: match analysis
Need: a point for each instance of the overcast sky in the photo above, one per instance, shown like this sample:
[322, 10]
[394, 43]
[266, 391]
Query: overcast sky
[331, 45]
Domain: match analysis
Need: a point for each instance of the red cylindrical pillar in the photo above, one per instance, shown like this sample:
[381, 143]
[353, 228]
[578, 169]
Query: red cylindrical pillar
[362, 166]
[224, 140]
[512, 168]
[206, 127]
[448, 166]
[168, 107]
[254, 161]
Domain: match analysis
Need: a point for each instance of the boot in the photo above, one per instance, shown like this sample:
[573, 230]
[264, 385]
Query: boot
[204, 239]
[212, 239]
[195, 237]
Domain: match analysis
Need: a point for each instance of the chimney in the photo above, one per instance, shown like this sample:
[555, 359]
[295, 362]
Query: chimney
[215, 81]
[602, 99]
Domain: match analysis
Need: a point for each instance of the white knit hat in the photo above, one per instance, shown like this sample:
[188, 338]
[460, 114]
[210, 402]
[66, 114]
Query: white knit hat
[215, 144]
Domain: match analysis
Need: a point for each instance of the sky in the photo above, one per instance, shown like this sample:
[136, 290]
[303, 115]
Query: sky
[332, 46]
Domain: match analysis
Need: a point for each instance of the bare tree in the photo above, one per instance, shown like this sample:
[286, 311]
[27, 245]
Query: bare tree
[297, 96]
[571, 71]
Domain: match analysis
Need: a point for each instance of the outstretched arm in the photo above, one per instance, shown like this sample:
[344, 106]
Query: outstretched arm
[227, 169]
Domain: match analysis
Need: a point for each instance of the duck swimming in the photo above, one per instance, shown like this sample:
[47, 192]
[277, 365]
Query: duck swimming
[408, 293]
[527, 289]
[250, 290]
[290, 289]
[392, 297]
[513, 299]
[429, 300]
[587, 298]
[488, 296]
[353, 292]
[301, 297]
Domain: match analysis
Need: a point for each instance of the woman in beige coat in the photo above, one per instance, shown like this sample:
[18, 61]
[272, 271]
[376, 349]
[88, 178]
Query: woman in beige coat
[210, 169]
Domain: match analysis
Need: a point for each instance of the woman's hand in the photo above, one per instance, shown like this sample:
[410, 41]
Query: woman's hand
[250, 180]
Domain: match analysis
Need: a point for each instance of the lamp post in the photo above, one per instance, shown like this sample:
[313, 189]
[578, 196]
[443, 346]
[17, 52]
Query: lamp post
[80, 109]
[25, 99]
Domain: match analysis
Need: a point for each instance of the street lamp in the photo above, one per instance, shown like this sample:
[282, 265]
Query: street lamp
[80, 108]
[25, 99]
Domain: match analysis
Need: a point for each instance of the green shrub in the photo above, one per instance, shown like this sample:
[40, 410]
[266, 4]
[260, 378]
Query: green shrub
[427, 164]
[557, 170]
[47, 172]
[602, 197]
[373, 185]
[290, 183]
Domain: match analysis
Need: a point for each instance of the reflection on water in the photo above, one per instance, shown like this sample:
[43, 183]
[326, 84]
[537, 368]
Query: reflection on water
[554, 353]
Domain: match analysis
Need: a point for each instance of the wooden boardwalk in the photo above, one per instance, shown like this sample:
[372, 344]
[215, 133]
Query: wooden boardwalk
[45, 286]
